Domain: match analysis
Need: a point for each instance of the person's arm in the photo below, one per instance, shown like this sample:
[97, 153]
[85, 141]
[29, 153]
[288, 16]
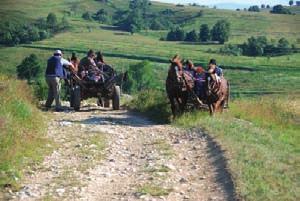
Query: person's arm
[65, 62]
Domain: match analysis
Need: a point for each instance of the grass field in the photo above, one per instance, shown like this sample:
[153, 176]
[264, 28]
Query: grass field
[246, 74]
[22, 131]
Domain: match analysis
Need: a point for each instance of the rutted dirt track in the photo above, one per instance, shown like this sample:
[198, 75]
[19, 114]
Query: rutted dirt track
[114, 155]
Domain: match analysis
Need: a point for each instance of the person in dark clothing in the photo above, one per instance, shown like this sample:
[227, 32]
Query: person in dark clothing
[213, 68]
[54, 74]
[87, 63]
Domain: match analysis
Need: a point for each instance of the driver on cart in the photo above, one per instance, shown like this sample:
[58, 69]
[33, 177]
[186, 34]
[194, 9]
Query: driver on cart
[88, 69]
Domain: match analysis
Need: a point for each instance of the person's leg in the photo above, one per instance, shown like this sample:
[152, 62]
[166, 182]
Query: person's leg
[56, 93]
[50, 93]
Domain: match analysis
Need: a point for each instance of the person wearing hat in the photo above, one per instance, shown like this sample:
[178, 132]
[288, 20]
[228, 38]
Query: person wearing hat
[215, 70]
[54, 74]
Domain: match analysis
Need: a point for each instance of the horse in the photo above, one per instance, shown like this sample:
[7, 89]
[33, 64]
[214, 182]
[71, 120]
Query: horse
[217, 93]
[178, 84]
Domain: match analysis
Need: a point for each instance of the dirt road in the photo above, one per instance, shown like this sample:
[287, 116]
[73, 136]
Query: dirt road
[114, 155]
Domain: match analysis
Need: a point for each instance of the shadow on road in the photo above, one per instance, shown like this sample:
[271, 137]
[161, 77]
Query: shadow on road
[224, 176]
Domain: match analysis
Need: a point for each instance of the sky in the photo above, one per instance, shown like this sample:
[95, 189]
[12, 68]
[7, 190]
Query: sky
[234, 3]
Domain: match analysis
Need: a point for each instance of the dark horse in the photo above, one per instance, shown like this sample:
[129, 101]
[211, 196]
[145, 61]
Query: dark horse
[179, 85]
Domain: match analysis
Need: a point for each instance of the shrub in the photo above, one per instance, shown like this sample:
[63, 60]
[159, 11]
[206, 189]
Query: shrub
[231, 50]
[87, 16]
[29, 69]
[191, 36]
[176, 34]
[140, 77]
[279, 9]
[153, 103]
[221, 31]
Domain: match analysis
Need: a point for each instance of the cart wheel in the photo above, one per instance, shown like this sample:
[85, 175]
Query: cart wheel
[76, 98]
[106, 103]
[116, 98]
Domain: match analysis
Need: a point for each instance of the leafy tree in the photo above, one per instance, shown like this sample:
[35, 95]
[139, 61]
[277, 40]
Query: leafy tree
[102, 16]
[24, 36]
[52, 21]
[65, 23]
[255, 46]
[33, 33]
[87, 16]
[191, 36]
[41, 23]
[254, 9]
[268, 6]
[221, 31]
[140, 77]
[176, 34]
[43, 34]
[29, 68]
[291, 2]
[156, 25]
[283, 43]
[279, 9]
[6, 38]
[204, 33]
[263, 6]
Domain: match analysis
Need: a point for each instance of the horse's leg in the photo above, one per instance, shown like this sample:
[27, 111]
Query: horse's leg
[222, 104]
[211, 109]
[184, 98]
[218, 106]
[173, 107]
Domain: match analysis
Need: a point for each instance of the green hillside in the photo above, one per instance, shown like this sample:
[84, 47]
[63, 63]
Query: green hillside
[122, 48]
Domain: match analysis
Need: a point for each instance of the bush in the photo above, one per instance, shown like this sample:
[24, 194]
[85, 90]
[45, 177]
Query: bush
[176, 34]
[191, 36]
[52, 21]
[231, 50]
[156, 25]
[102, 16]
[29, 69]
[87, 16]
[153, 103]
[279, 9]
[140, 77]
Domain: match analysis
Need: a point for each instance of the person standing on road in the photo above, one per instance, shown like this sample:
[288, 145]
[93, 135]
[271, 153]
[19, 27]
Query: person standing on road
[54, 74]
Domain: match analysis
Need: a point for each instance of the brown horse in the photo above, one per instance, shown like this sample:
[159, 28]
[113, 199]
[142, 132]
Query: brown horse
[178, 84]
[217, 93]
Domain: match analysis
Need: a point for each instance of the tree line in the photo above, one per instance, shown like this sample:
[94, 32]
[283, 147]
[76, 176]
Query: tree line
[12, 34]
[220, 32]
[139, 16]
[277, 9]
[260, 46]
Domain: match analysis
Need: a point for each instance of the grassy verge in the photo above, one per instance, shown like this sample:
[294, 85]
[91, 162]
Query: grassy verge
[260, 136]
[22, 140]
[153, 103]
